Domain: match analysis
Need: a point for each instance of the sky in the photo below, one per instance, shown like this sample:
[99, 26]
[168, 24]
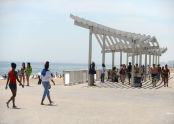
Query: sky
[41, 30]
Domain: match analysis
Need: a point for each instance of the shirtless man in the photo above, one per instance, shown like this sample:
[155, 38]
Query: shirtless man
[154, 72]
[136, 69]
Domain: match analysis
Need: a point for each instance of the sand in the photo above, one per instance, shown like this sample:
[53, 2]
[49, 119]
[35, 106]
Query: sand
[80, 104]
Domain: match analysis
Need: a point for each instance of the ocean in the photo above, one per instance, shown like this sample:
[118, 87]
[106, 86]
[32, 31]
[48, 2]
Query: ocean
[54, 67]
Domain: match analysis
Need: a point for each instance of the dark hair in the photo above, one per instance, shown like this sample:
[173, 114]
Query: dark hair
[13, 65]
[129, 63]
[162, 67]
[23, 64]
[103, 65]
[93, 65]
[46, 64]
[28, 64]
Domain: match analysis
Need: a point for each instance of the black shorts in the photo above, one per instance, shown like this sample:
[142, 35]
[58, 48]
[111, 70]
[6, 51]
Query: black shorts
[12, 86]
[154, 75]
[129, 75]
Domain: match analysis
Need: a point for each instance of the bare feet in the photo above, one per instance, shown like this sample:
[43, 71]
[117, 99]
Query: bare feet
[7, 104]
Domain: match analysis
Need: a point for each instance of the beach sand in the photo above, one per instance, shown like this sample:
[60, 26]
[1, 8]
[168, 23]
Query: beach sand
[79, 104]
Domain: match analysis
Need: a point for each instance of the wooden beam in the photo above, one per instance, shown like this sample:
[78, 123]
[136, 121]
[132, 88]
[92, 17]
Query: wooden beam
[98, 40]
[103, 54]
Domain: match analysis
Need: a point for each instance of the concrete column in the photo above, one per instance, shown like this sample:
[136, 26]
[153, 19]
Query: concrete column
[149, 60]
[136, 59]
[90, 48]
[140, 60]
[158, 59]
[103, 49]
[133, 63]
[145, 65]
[113, 58]
[153, 59]
[120, 58]
[127, 59]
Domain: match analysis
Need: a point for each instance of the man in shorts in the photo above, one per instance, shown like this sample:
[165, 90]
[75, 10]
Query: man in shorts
[154, 72]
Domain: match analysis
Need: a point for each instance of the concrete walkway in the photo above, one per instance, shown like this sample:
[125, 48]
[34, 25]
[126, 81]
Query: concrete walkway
[80, 104]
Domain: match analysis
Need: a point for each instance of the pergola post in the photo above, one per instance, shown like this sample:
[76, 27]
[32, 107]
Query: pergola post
[103, 49]
[145, 66]
[140, 60]
[121, 58]
[149, 60]
[133, 62]
[90, 48]
[127, 59]
[158, 59]
[113, 58]
[136, 59]
[153, 59]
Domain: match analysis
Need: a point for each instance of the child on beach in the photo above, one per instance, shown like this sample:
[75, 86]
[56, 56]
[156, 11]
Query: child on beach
[12, 77]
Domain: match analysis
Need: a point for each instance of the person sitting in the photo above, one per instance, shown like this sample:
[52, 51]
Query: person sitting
[114, 74]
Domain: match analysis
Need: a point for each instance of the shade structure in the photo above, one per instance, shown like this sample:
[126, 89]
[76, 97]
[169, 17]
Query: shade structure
[117, 40]
[113, 40]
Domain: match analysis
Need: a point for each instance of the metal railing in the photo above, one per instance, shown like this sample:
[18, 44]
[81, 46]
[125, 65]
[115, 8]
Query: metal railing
[80, 76]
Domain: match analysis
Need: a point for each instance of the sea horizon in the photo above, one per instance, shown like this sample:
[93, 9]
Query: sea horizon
[55, 67]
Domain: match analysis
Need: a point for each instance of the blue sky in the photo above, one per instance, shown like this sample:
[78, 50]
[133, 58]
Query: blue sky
[40, 30]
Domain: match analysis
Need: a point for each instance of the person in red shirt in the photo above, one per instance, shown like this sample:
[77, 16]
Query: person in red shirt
[12, 77]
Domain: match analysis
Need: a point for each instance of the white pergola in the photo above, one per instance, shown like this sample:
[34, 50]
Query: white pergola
[113, 40]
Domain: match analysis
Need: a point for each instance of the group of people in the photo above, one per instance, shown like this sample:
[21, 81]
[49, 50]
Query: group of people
[12, 77]
[25, 72]
[155, 73]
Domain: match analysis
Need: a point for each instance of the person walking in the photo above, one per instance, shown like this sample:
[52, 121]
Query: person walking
[154, 72]
[166, 75]
[28, 72]
[22, 73]
[103, 73]
[12, 77]
[46, 76]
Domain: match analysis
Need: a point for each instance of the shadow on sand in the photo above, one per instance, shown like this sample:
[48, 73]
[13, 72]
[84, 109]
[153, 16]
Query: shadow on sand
[50, 105]
[145, 85]
[16, 108]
